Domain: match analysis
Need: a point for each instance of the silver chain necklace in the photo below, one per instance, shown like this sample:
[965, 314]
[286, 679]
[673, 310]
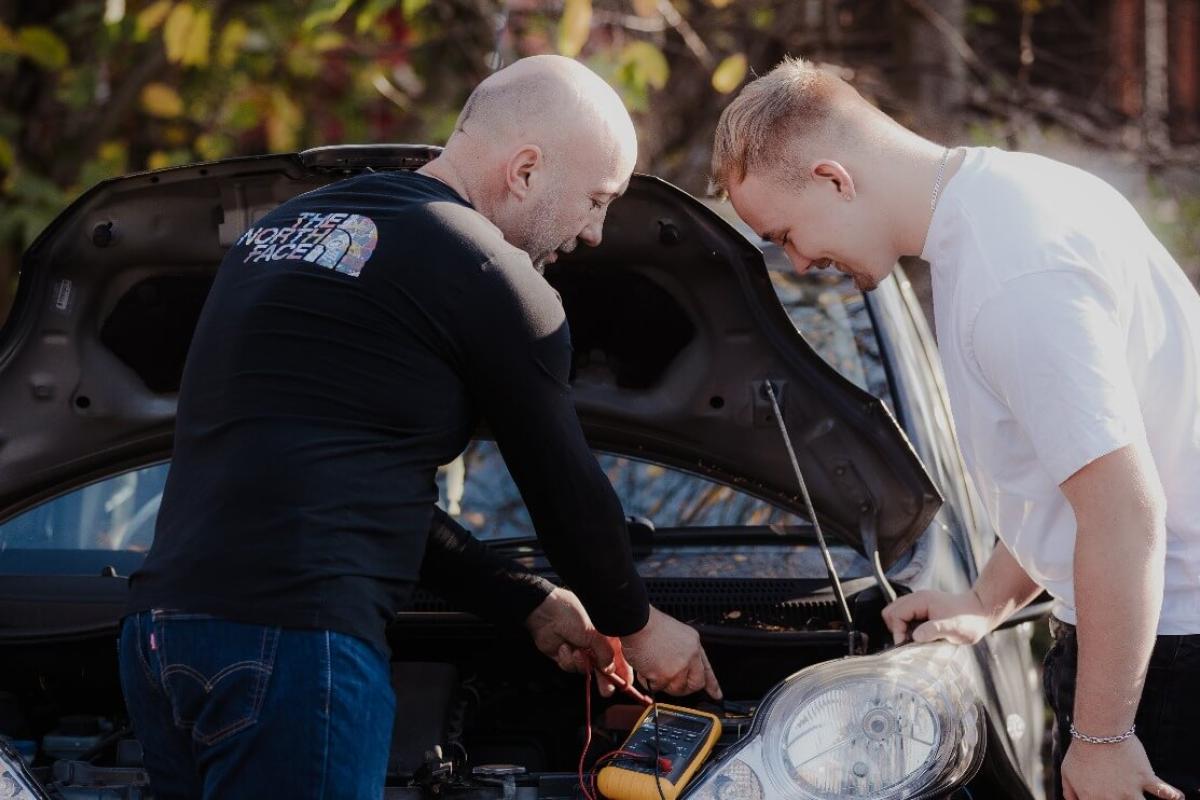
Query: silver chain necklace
[937, 184]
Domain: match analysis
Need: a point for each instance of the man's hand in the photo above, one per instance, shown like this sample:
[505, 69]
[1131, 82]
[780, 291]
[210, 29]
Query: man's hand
[1111, 772]
[667, 655]
[956, 618]
[562, 631]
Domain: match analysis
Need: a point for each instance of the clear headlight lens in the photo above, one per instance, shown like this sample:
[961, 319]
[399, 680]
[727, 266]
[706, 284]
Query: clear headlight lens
[903, 724]
[17, 782]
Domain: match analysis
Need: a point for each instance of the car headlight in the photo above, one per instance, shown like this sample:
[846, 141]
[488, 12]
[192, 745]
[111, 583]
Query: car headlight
[16, 781]
[906, 723]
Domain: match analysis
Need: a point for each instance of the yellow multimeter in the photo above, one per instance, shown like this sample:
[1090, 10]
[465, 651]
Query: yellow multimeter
[685, 738]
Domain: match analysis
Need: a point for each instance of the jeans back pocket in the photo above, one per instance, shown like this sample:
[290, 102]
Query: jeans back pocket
[214, 672]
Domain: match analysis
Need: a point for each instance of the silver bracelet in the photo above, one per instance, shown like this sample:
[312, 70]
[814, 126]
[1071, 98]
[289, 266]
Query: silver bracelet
[1083, 737]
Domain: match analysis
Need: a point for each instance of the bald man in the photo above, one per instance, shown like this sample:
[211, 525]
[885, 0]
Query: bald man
[353, 340]
[1070, 341]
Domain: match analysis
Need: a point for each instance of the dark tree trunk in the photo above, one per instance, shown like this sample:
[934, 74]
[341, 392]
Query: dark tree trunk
[1185, 70]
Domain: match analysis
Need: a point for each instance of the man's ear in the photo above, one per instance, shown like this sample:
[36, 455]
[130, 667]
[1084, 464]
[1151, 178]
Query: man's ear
[835, 175]
[521, 168]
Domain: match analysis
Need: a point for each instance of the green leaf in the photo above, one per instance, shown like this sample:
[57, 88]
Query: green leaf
[644, 65]
[230, 43]
[410, 8]
[160, 100]
[371, 13]
[111, 160]
[212, 146]
[574, 27]
[326, 12]
[6, 154]
[43, 47]
[149, 18]
[730, 73]
[762, 18]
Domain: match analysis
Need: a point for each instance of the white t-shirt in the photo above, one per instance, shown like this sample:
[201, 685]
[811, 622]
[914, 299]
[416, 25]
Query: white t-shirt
[1066, 331]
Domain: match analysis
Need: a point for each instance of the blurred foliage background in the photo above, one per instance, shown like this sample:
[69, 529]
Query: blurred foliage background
[97, 88]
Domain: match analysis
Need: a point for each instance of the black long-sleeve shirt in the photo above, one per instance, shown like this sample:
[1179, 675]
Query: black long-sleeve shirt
[352, 341]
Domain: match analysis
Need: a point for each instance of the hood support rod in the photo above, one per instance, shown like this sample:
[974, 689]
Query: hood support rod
[769, 388]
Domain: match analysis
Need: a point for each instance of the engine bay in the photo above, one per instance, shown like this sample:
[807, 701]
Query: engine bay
[480, 713]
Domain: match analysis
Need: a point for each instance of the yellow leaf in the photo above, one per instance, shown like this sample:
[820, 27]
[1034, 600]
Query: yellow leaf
[374, 9]
[574, 27]
[410, 8]
[158, 159]
[231, 42]
[328, 40]
[719, 3]
[150, 18]
[211, 146]
[645, 8]
[6, 154]
[730, 73]
[176, 30]
[43, 47]
[647, 63]
[196, 48]
[283, 124]
[326, 13]
[186, 34]
[160, 100]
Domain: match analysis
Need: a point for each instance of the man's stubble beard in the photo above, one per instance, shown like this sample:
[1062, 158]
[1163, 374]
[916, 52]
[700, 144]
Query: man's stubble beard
[540, 235]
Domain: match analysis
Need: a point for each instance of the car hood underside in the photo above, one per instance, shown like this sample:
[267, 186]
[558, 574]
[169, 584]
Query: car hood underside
[674, 322]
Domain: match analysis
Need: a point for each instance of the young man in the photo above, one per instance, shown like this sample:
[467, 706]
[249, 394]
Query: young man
[1070, 341]
[327, 380]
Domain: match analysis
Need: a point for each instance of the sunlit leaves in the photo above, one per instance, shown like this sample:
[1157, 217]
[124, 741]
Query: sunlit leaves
[149, 18]
[38, 44]
[110, 161]
[410, 8]
[642, 64]
[730, 73]
[161, 100]
[187, 33]
[326, 12]
[574, 27]
[212, 146]
[370, 14]
[230, 42]
[283, 123]
[161, 159]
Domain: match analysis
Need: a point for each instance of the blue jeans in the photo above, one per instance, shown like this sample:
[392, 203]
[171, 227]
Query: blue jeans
[229, 710]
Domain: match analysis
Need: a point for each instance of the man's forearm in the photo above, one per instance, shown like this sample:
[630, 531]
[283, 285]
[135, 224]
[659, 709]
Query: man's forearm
[1118, 594]
[1004, 587]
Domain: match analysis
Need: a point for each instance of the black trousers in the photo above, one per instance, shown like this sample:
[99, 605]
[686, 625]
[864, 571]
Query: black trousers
[1168, 717]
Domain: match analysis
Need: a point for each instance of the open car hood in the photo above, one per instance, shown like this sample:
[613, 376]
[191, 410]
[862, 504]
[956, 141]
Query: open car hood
[674, 321]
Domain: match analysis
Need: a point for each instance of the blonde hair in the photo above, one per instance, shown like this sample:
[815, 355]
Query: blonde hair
[761, 127]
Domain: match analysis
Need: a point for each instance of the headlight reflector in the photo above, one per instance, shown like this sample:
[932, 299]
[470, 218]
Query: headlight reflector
[902, 724]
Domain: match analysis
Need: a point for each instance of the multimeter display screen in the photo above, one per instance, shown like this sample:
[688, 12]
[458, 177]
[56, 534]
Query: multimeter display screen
[669, 720]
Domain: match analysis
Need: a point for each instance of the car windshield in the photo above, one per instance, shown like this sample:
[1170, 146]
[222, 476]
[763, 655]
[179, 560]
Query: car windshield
[117, 515]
